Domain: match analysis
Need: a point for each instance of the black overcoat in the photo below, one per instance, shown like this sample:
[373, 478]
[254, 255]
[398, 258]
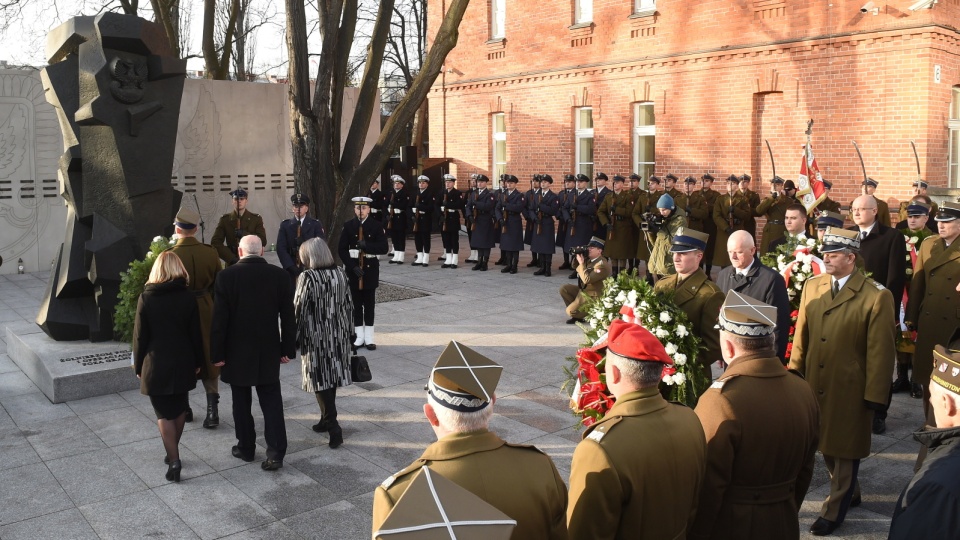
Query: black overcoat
[580, 211]
[509, 210]
[167, 340]
[546, 208]
[768, 286]
[481, 209]
[884, 254]
[288, 243]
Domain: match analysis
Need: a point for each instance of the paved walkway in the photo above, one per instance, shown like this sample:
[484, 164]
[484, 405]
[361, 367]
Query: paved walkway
[93, 468]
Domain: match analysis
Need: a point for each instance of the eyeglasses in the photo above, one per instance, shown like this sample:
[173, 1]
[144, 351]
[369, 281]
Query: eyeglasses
[859, 210]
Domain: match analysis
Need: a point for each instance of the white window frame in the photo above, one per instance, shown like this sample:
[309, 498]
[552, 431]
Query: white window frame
[498, 19]
[579, 135]
[499, 163]
[582, 11]
[642, 131]
[953, 148]
[644, 6]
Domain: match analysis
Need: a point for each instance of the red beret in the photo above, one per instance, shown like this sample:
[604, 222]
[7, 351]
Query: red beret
[635, 342]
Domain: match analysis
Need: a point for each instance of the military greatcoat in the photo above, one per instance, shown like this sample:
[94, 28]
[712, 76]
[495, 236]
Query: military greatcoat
[519, 480]
[563, 226]
[480, 209]
[620, 233]
[509, 212]
[701, 203]
[753, 200]
[934, 304]
[759, 458]
[775, 208]
[225, 239]
[641, 206]
[722, 217]
[202, 264]
[637, 472]
[580, 211]
[546, 206]
[844, 346]
[700, 299]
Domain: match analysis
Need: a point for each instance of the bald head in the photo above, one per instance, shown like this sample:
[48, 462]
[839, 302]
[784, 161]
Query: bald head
[741, 249]
[864, 210]
[250, 245]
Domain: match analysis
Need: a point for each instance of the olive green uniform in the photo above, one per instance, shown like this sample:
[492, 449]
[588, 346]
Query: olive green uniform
[621, 240]
[519, 480]
[775, 209]
[700, 218]
[642, 205]
[637, 472]
[742, 211]
[661, 260]
[202, 264]
[225, 239]
[753, 199]
[902, 212]
[679, 197]
[590, 279]
[700, 299]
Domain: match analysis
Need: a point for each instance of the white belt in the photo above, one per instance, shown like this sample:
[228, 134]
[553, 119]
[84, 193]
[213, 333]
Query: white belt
[397, 211]
[452, 210]
[370, 256]
[373, 210]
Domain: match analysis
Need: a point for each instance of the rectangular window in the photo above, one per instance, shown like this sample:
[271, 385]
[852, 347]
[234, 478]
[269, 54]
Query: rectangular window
[644, 140]
[498, 18]
[642, 6]
[953, 165]
[499, 147]
[583, 11]
[584, 140]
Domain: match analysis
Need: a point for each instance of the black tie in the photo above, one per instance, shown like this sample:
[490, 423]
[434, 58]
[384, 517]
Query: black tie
[836, 288]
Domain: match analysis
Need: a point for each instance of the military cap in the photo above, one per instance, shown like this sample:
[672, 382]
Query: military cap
[707, 176]
[920, 184]
[733, 178]
[828, 184]
[299, 199]
[239, 193]
[634, 342]
[776, 180]
[745, 177]
[747, 317]
[653, 180]
[423, 178]
[829, 219]
[601, 176]
[918, 208]
[508, 178]
[671, 176]
[789, 185]
[361, 201]
[949, 211]
[482, 178]
[666, 201]
[435, 507]
[688, 240]
[870, 182]
[462, 379]
[689, 180]
[187, 219]
[546, 178]
[636, 177]
[596, 242]
[583, 178]
[449, 178]
[397, 178]
[946, 368]
[618, 178]
[569, 178]
[837, 239]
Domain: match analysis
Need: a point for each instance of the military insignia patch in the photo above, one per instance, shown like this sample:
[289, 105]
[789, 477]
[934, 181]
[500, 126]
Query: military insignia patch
[954, 372]
[388, 482]
[718, 384]
[596, 435]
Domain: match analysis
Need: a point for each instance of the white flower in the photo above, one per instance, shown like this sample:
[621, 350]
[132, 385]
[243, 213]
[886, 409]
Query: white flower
[644, 306]
[621, 297]
[150, 255]
[679, 378]
[799, 277]
[668, 379]
[632, 297]
[811, 242]
[806, 269]
[680, 359]
[660, 333]
[799, 256]
[681, 330]
[671, 349]
[791, 293]
[158, 239]
[799, 285]
[913, 240]
[607, 303]
[781, 260]
[665, 317]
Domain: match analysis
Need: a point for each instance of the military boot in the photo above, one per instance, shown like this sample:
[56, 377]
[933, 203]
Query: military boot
[902, 384]
[213, 413]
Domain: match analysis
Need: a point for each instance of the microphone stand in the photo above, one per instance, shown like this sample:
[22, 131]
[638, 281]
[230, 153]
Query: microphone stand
[202, 224]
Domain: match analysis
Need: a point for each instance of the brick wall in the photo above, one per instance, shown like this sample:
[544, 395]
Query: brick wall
[723, 74]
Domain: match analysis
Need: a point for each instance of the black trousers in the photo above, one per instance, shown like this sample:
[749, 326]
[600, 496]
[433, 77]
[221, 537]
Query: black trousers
[451, 238]
[274, 429]
[421, 239]
[364, 303]
[398, 235]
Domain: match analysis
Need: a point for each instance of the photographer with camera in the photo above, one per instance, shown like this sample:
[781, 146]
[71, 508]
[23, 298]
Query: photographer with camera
[659, 229]
[592, 269]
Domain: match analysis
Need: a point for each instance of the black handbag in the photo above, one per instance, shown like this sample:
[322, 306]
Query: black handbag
[360, 369]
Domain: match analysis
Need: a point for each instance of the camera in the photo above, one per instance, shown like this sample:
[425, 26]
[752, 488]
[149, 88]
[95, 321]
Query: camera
[652, 223]
[578, 250]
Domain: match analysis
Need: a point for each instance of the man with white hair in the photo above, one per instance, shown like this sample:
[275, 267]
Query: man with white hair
[929, 507]
[747, 275]
[519, 480]
[248, 345]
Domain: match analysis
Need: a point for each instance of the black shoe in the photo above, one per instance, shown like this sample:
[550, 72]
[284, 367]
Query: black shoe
[573, 275]
[371, 347]
[477, 266]
[235, 452]
[321, 426]
[855, 501]
[902, 384]
[572, 321]
[336, 437]
[398, 262]
[213, 413]
[540, 272]
[548, 273]
[823, 527]
[916, 391]
[879, 425]
[533, 263]
[271, 464]
[565, 266]
[391, 261]
[483, 266]
[441, 258]
[499, 262]
[451, 266]
[173, 471]
[505, 269]
[189, 415]
[444, 265]
[513, 269]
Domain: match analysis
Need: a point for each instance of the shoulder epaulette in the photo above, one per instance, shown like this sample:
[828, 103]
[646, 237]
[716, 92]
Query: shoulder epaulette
[601, 429]
[876, 284]
[415, 466]
[525, 447]
[719, 383]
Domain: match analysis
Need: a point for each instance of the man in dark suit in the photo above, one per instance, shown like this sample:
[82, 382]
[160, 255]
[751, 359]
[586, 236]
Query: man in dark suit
[249, 346]
[295, 231]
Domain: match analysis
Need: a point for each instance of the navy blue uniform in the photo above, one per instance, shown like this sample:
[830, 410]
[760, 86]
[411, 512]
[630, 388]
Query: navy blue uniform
[579, 211]
[292, 234]
[363, 271]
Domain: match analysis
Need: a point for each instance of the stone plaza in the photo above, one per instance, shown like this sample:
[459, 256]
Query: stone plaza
[92, 468]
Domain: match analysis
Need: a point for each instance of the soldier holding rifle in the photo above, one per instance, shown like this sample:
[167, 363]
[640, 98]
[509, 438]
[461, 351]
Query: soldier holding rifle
[480, 209]
[508, 212]
[361, 240]
[451, 203]
[234, 226]
[730, 213]
[396, 226]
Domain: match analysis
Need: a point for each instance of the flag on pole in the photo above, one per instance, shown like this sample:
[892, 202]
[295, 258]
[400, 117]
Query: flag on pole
[810, 189]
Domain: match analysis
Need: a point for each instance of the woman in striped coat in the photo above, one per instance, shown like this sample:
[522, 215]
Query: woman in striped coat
[324, 313]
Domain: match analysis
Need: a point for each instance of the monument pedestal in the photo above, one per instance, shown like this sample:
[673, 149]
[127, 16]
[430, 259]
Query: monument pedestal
[69, 370]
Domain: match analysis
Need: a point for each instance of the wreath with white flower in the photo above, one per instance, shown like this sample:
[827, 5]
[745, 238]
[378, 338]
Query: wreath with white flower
[633, 299]
[797, 260]
[131, 286]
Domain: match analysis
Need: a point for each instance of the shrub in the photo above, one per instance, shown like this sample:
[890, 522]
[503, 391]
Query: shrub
[131, 286]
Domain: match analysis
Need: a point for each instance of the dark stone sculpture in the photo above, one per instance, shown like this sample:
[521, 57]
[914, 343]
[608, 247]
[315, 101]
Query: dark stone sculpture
[117, 93]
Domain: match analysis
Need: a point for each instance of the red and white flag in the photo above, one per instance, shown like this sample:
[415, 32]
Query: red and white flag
[810, 190]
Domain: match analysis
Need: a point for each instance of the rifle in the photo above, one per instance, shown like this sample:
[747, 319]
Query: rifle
[238, 232]
[506, 213]
[416, 215]
[203, 227]
[538, 198]
[362, 255]
[730, 218]
[390, 212]
[573, 216]
[443, 205]
[612, 216]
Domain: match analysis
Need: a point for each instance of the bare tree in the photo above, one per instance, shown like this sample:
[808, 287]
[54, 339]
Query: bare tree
[319, 166]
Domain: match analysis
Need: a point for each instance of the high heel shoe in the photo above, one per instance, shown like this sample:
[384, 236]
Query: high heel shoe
[173, 472]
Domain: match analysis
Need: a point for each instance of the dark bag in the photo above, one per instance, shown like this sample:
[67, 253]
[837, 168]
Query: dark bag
[359, 369]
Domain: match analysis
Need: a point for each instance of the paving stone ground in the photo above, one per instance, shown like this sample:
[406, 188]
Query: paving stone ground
[93, 468]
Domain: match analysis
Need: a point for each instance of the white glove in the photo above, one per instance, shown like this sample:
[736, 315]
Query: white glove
[443, 208]
[414, 209]
[397, 211]
[373, 210]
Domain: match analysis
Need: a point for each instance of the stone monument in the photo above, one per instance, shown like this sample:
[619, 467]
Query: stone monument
[117, 90]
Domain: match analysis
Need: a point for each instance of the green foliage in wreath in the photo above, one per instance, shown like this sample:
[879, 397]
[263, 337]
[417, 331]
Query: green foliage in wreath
[131, 286]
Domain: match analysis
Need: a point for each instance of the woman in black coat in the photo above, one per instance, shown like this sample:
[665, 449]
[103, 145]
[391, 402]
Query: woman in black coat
[168, 350]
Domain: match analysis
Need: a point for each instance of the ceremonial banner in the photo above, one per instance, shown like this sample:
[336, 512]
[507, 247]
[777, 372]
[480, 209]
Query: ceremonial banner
[810, 190]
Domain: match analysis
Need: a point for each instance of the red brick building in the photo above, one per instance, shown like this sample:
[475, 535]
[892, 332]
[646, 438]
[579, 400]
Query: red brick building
[690, 87]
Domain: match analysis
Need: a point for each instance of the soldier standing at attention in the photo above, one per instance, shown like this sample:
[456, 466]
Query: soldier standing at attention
[528, 202]
[774, 207]
[753, 201]
[202, 264]
[844, 346]
[670, 188]
[636, 193]
[294, 232]
[451, 203]
[379, 205]
[509, 212]
[563, 223]
[546, 206]
[471, 194]
[517, 479]
[397, 221]
[601, 191]
[637, 472]
[706, 198]
[730, 213]
[422, 209]
[645, 204]
[591, 271]
[580, 211]
[234, 226]
[826, 205]
[915, 228]
[361, 240]
[614, 214]
[480, 209]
